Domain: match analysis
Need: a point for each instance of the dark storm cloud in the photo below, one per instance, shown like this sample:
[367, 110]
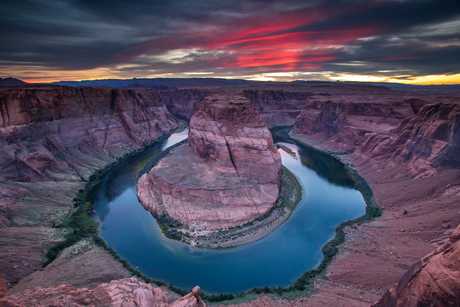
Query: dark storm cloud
[232, 37]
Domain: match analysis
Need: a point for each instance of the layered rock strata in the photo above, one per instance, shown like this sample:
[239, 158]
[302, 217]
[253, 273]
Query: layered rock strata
[52, 138]
[427, 140]
[49, 131]
[123, 292]
[278, 107]
[410, 171]
[227, 174]
[275, 107]
[422, 133]
[431, 281]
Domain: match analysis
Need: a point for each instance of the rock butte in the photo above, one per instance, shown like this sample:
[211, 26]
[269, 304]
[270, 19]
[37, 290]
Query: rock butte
[226, 175]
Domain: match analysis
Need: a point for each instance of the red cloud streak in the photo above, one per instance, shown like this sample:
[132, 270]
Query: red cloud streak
[263, 42]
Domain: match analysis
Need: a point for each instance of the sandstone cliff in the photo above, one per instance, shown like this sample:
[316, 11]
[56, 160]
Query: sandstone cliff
[275, 107]
[343, 124]
[227, 175]
[432, 281]
[183, 102]
[427, 140]
[422, 133]
[405, 145]
[49, 131]
[51, 139]
[127, 292]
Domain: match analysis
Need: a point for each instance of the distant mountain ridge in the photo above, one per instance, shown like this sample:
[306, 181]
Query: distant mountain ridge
[11, 82]
[156, 81]
[171, 83]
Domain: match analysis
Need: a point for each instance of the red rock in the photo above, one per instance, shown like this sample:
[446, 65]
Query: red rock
[424, 135]
[277, 107]
[184, 102]
[132, 292]
[227, 175]
[3, 289]
[432, 281]
[227, 130]
[50, 130]
[192, 299]
[344, 122]
[128, 292]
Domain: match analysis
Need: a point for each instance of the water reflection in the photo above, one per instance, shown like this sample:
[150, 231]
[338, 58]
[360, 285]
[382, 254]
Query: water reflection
[323, 164]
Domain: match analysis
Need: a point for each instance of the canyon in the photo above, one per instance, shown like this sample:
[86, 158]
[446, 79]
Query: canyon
[405, 144]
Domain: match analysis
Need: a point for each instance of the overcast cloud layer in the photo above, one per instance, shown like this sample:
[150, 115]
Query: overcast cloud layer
[319, 39]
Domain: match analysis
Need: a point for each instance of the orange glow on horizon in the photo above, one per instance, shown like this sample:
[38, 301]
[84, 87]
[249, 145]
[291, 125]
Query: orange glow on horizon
[418, 80]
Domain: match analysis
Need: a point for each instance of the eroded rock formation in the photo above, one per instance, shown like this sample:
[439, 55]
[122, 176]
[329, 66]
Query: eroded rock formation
[423, 133]
[49, 131]
[432, 281]
[123, 292]
[343, 124]
[184, 102]
[275, 107]
[278, 107]
[427, 140]
[227, 174]
[51, 139]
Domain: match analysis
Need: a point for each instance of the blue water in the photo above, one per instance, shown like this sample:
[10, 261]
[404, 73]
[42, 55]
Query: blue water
[276, 260]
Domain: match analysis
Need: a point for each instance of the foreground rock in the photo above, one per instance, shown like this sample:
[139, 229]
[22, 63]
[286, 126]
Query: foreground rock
[192, 299]
[118, 293]
[432, 281]
[227, 174]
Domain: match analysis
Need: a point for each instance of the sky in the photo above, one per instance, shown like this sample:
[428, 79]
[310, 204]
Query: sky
[406, 41]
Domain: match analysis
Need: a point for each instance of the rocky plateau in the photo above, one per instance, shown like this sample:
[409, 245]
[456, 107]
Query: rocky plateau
[226, 175]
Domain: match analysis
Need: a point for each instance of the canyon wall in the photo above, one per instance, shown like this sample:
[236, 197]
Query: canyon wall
[183, 102]
[422, 133]
[426, 141]
[228, 173]
[275, 107]
[405, 145]
[343, 125]
[52, 138]
[50, 131]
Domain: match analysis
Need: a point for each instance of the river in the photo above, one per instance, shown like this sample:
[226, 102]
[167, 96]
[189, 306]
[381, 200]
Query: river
[276, 260]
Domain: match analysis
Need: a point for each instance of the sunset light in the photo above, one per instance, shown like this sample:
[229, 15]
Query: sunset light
[369, 41]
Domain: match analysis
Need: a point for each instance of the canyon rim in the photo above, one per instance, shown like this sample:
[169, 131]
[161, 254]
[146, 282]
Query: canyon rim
[403, 143]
